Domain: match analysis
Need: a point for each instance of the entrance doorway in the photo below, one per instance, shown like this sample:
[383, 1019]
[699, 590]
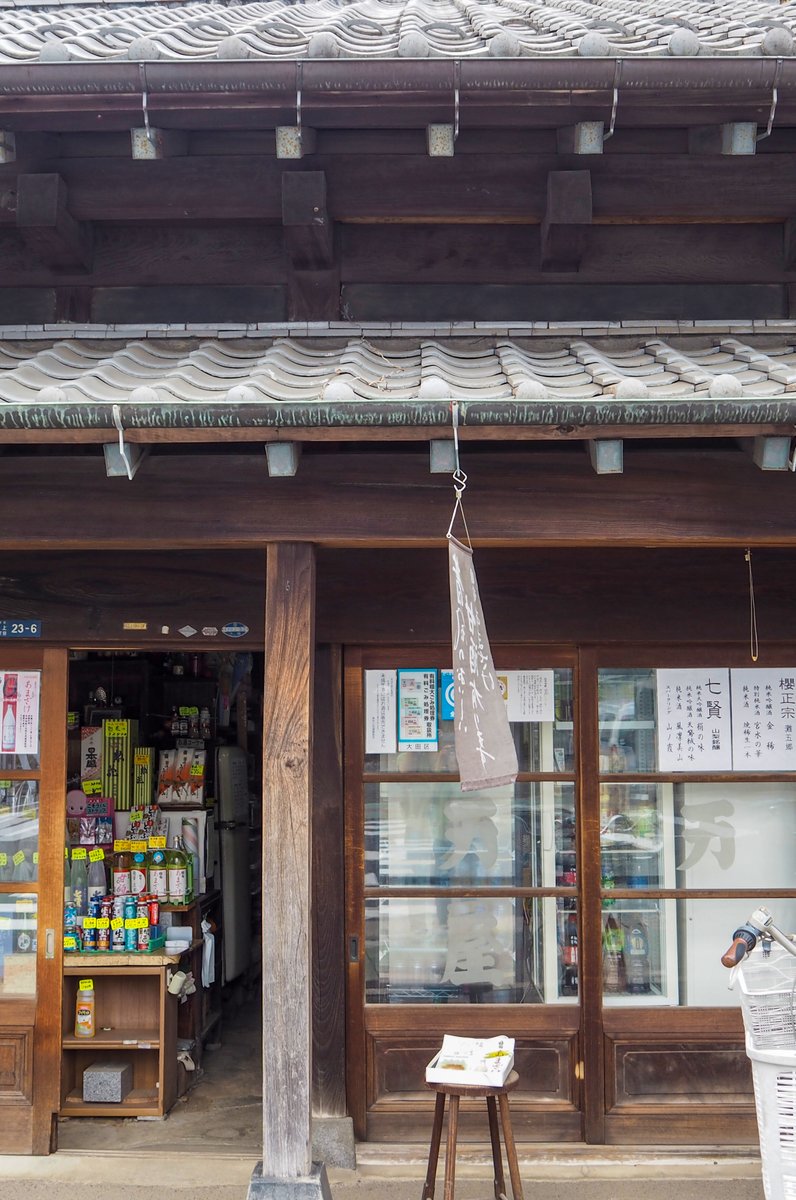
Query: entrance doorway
[164, 755]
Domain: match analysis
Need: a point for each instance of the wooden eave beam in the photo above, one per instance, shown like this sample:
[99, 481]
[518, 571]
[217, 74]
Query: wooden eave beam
[512, 188]
[567, 220]
[314, 277]
[46, 225]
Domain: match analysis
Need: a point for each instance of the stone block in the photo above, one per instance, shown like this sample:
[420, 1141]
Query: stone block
[107, 1081]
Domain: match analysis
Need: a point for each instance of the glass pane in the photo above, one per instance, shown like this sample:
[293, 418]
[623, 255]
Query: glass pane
[627, 721]
[542, 746]
[735, 835]
[18, 938]
[19, 830]
[463, 951]
[640, 951]
[637, 835]
[433, 835]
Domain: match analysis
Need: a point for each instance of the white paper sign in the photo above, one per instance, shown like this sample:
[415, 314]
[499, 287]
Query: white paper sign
[19, 712]
[381, 712]
[529, 695]
[694, 731]
[764, 719]
[417, 710]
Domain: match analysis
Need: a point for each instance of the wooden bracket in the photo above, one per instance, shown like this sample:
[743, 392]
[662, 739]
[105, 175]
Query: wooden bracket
[314, 276]
[567, 220]
[47, 227]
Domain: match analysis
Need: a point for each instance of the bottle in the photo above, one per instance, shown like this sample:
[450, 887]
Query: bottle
[158, 876]
[613, 956]
[9, 728]
[177, 873]
[138, 874]
[84, 1011]
[637, 960]
[97, 883]
[204, 722]
[569, 957]
[121, 873]
[78, 884]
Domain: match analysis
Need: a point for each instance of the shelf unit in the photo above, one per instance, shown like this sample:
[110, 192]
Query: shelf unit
[135, 1019]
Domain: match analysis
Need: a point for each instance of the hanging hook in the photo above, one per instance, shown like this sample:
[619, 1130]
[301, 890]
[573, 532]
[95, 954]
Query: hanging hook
[774, 99]
[116, 413]
[459, 477]
[457, 79]
[615, 104]
[144, 89]
[299, 78]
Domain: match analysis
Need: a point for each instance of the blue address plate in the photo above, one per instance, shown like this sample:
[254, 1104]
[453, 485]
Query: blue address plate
[20, 629]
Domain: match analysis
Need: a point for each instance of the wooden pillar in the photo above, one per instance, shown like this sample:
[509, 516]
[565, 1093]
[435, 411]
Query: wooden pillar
[287, 793]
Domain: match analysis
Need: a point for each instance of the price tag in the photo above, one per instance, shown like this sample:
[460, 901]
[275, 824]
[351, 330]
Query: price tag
[157, 843]
[116, 922]
[121, 845]
[136, 815]
[92, 787]
[96, 855]
[25, 902]
[18, 858]
[191, 711]
[103, 922]
[136, 922]
[35, 858]
[70, 942]
[115, 729]
[138, 847]
[79, 852]
[3, 859]
[5, 922]
[89, 922]
[198, 769]
[86, 985]
[29, 814]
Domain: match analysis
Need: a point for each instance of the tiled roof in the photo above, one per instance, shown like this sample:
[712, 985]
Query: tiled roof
[251, 369]
[273, 30]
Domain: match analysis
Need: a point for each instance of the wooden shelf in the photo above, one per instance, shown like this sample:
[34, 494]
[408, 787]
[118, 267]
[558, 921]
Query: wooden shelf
[115, 1039]
[139, 1102]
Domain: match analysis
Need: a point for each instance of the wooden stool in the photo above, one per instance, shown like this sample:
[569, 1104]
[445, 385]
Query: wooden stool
[473, 1091]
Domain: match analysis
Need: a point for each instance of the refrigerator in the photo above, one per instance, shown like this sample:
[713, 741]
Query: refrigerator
[232, 787]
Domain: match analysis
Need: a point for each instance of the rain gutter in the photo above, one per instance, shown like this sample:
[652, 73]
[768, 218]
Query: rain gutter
[477, 414]
[325, 82]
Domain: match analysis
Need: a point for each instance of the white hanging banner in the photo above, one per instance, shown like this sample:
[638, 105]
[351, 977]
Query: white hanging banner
[381, 712]
[484, 746]
[19, 716]
[694, 732]
[763, 718]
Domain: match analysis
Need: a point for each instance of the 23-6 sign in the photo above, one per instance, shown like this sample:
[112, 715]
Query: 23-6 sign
[20, 629]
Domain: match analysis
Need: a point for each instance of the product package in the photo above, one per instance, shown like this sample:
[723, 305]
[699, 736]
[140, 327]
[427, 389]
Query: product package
[486, 1062]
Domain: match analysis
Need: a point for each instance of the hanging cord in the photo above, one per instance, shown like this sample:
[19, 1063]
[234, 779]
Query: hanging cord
[144, 104]
[754, 644]
[459, 479]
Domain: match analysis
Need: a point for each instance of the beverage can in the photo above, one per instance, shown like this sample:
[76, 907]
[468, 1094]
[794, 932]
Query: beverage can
[143, 937]
[90, 937]
[153, 905]
[104, 937]
[70, 916]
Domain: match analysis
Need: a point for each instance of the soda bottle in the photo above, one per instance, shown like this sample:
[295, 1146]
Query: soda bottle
[78, 883]
[177, 873]
[84, 1011]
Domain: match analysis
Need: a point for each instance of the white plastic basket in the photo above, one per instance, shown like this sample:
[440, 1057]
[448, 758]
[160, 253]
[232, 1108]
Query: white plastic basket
[774, 1077]
[768, 998]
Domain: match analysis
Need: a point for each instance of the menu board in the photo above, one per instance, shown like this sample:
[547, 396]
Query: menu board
[694, 729]
[764, 719]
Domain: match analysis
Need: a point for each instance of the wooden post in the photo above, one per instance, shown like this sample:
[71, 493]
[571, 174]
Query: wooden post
[287, 794]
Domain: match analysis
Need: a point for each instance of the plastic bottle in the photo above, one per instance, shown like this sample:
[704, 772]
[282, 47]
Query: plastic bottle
[637, 959]
[138, 874]
[613, 956]
[84, 1011]
[78, 884]
[569, 979]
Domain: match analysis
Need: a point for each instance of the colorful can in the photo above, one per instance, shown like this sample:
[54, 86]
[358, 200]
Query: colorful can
[90, 934]
[70, 916]
[104, 934]
[117, 934]
[130, 935]
[154, 910]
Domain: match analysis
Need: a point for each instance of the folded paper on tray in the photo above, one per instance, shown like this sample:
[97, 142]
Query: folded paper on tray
[484, 1062]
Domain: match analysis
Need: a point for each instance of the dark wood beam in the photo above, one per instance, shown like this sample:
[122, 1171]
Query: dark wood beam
[313, 292]
[46, 225]
[567, 220]
[391, 499]
[670, 189]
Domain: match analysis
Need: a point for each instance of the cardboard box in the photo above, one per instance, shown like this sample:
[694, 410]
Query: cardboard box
[483, 1062]
[108, 1081]
[90, 752]
[118, 741]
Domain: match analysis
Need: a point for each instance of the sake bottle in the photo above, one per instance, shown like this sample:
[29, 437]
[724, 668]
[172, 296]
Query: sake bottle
[158, 875]
[97, 883]
[177, 873]
[78, 883]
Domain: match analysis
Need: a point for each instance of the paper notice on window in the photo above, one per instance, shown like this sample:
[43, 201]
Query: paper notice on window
[418, 723]
[19, 715]
[764, 719]
[381, 712]
[529, 695]
[694, 729]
